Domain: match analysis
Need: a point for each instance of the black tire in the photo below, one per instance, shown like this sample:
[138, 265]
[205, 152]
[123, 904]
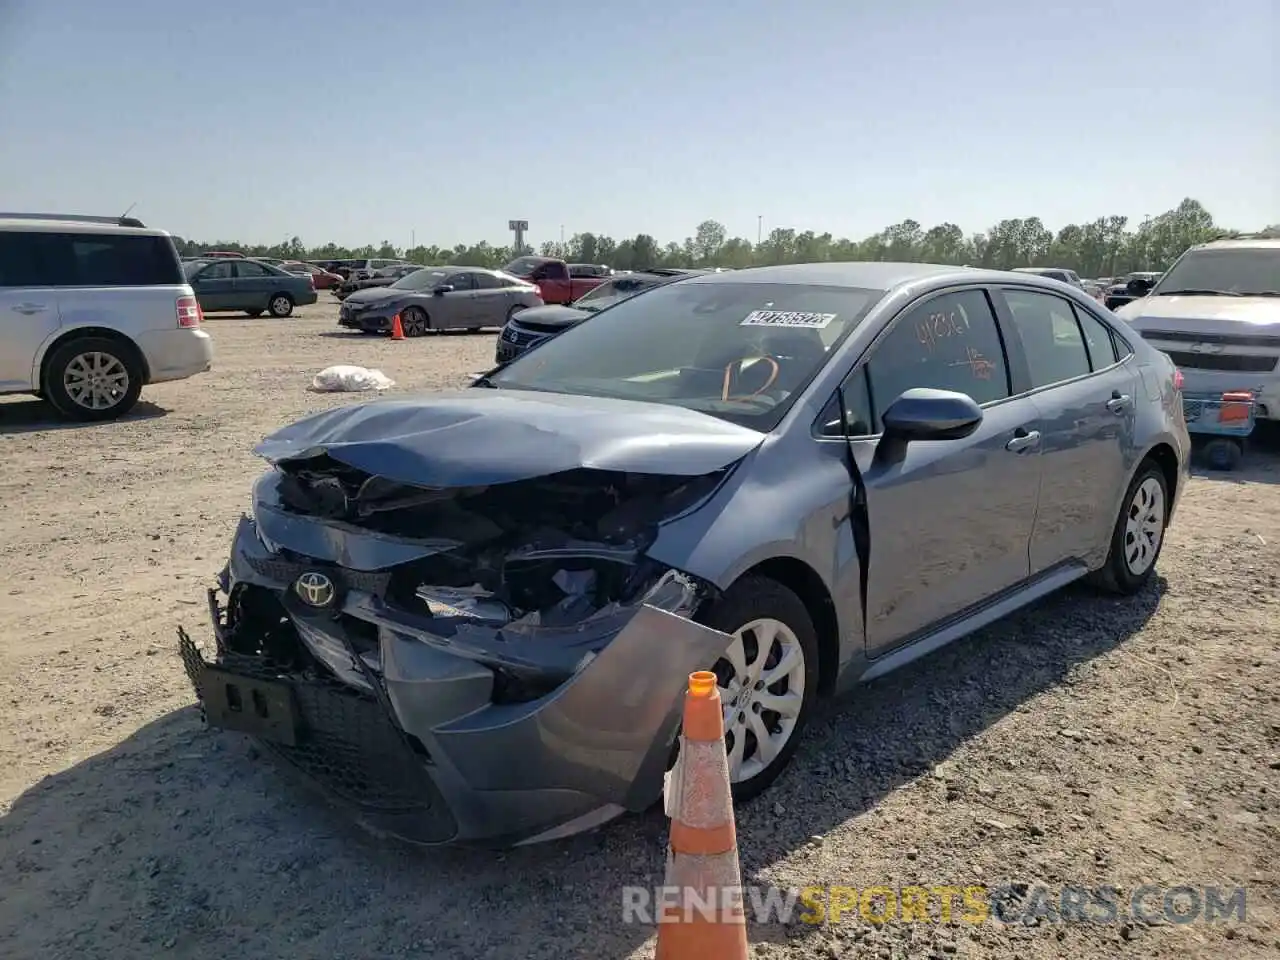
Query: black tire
[54, 386]
[1117, 574]
[254, 313]
[1223, 453]
[280, 305]
[414, 321]
[756, 598]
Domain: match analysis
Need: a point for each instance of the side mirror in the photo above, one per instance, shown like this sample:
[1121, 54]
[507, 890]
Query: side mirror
[442, 289]
[925, 414]
[1139, 286]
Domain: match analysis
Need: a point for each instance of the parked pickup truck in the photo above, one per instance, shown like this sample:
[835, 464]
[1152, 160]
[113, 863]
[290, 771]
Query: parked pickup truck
[555, 281]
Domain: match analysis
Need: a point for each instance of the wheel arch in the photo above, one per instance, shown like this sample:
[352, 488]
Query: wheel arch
[83, 333]
[1163, 455]
[802, 580]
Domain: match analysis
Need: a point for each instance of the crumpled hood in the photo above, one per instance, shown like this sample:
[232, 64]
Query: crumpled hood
[552, 316]
[1242, 311]
[481, 436]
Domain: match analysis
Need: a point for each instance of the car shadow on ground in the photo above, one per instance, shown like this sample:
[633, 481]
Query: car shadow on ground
[36, 416]
[193, 842]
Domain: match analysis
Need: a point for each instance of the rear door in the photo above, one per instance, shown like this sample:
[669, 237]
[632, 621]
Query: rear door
[214, 286]
[1085, 398]
[29, 313]
[493, 298]
[951, 523]
[254, 285]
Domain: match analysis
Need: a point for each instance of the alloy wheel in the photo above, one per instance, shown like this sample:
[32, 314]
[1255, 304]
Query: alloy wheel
[761, 678]
[95, 380]
[1144, 526]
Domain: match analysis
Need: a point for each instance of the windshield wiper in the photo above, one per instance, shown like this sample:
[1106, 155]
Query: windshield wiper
[1196, 292]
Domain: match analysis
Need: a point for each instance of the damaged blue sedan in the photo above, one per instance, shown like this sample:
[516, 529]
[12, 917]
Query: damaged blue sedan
[471, 614]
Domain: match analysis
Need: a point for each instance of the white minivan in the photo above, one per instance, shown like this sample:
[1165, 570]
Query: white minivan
[91, 309]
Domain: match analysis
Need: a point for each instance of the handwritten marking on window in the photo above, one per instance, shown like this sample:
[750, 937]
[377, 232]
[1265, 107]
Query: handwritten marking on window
[941, 326]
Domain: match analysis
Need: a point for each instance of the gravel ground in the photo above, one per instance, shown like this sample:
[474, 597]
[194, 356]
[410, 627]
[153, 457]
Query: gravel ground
[1087, 741]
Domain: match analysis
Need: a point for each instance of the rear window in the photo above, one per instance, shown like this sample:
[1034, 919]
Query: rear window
[42, 259]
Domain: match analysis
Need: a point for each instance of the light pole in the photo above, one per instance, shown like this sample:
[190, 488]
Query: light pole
[759, 228]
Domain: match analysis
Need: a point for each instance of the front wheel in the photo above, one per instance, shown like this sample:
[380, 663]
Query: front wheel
[1138, 535]
[768, 679]
[414, 322]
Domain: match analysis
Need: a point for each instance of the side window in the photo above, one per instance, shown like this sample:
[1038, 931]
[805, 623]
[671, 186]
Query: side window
[1050, 336]
[32, 260]
[255, 270]
[1122, 349]
[216, 271]
[857, 404]
[950, 342]
[487, 281]
[555, 271]
[1097, 337]
[462, 281]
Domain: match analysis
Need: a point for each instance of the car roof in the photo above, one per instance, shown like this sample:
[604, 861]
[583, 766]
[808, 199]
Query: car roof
[874, 275]
[1246, 243]
[26, 225]
[1042, 269]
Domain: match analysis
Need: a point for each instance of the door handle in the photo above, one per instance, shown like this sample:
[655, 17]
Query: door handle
[1023, 440]
[29, 308]
[1119, 402]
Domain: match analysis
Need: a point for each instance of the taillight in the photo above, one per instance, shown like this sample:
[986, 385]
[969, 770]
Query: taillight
[189, 313]
[1177, 379]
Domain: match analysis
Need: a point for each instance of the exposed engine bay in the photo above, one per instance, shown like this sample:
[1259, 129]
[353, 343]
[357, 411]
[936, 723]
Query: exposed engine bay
[499, 566]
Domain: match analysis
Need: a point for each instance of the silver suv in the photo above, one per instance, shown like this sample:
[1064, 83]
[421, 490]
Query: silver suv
[91, 309]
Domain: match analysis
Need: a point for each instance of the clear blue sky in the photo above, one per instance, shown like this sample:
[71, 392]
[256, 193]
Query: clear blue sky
[357, 122]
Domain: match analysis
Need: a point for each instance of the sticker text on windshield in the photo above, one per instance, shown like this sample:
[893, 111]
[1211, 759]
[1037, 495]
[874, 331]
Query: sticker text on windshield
[787, 318]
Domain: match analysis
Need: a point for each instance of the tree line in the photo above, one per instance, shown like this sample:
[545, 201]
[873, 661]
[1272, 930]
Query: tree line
[1107, 246]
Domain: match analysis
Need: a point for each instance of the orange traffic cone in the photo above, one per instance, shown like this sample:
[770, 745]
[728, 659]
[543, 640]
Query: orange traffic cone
[397, 330]
[704, 879]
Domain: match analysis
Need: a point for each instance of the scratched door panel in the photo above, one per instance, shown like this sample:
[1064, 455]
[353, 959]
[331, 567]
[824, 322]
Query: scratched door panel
[951, 523]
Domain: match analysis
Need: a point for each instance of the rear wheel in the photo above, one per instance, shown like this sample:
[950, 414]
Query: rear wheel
[768, 679]
[414, 321]
[94, 378]
[1138, 535]
[1223, 453]
[280, 305]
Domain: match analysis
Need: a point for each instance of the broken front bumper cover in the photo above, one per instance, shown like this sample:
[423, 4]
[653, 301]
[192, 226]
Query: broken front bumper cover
[423, 753]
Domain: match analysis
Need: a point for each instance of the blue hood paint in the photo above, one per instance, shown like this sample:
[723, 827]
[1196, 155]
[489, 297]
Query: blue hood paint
[480, 436]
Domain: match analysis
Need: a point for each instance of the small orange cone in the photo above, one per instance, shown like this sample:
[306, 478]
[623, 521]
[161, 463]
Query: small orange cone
[704, 879]
[397, 330]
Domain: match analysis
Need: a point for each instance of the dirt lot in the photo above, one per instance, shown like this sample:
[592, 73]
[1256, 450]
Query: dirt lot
[1087, 741]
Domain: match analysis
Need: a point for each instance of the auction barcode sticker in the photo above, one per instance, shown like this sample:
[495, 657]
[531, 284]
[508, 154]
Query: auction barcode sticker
[787, 318]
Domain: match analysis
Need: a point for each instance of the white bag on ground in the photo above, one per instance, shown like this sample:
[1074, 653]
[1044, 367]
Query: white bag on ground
[349, 379]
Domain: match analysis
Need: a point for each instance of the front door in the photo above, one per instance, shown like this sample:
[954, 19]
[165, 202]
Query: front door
[28, 302]
[457, 307]
[214, 286]
[1086, 400]
[949, 524]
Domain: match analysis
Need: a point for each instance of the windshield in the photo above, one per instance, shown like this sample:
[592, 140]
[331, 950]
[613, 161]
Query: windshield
[422, 280]
[615, 291]
[1242, 271]
[523, 266]
[739, 351]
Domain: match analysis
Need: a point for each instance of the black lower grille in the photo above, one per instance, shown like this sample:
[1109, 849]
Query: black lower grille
[347, 743]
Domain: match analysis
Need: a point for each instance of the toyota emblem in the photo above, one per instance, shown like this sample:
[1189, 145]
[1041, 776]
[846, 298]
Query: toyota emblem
[315, 589]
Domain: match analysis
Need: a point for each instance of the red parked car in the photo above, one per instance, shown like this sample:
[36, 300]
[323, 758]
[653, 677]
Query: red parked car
[555, 281]
[321, 278]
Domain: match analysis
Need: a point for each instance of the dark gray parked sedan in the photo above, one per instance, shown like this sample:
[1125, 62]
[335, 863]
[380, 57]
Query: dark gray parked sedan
[440, 298]
[472, 614]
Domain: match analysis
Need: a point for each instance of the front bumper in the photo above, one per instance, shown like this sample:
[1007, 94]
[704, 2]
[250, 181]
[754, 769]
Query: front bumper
[370, 321]
[413, 734]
